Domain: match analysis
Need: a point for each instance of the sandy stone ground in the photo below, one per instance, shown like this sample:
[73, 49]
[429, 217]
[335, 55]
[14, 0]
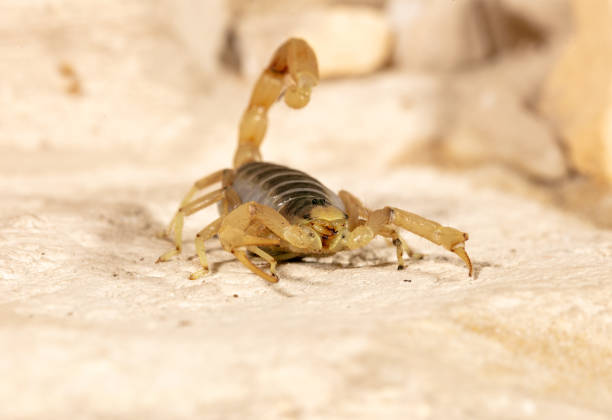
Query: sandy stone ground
[92, 328]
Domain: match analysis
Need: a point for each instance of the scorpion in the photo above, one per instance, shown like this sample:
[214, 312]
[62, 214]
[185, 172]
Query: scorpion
[278, 213]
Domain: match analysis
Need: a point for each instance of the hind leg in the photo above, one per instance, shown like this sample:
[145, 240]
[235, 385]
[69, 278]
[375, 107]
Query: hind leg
[224, 176]
[186, 210]
[231, 201]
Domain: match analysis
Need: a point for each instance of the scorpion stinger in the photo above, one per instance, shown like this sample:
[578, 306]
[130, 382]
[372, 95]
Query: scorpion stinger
[294, 68]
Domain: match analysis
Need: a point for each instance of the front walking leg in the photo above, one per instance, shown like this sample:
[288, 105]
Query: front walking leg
[446, 236]
[358, 215]
[401, 246]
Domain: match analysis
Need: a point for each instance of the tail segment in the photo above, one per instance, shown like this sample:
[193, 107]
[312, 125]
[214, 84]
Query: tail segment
[294, 58]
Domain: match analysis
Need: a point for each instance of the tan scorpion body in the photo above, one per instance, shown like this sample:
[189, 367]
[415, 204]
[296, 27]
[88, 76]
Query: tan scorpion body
[280, 213]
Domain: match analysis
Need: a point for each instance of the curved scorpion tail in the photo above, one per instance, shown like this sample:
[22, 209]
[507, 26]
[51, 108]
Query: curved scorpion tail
[294, 58]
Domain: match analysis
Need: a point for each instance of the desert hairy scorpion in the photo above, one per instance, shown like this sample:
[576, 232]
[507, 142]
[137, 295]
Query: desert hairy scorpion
[278, 213]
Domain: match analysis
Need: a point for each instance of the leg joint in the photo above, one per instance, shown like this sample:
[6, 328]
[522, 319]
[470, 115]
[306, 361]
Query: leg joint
[252, 207]
[391, 214]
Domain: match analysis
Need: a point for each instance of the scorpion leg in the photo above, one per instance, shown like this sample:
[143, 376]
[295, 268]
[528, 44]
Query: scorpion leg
[400, 245]
[253, 225]
[446, 236]
[242, 257]
[230, 201]
[186, 210]
[218, 176]
[358, 215]
[265, 256]
[203, 235]
[251, 242]
[273, 260]
[200, 184]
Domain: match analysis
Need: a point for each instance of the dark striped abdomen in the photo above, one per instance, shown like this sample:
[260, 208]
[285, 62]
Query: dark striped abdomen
[292, 193]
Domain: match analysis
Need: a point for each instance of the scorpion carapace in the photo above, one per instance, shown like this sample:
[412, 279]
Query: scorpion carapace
[280, 213]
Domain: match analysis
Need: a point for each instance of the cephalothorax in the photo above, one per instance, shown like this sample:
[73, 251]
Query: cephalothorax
[280, 213]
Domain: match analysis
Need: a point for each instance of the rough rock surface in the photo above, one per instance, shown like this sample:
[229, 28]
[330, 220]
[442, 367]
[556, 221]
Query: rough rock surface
[578, 96]
[91, 327]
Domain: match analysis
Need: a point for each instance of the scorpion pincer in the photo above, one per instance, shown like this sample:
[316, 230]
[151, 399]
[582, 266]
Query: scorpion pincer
[278, 213]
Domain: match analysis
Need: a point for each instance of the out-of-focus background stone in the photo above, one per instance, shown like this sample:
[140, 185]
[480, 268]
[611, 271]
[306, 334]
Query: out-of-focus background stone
[350, 41]
[578, 96]
[489, 115]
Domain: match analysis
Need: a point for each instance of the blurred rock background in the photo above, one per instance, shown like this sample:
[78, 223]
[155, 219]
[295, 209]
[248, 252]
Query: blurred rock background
[519, 86]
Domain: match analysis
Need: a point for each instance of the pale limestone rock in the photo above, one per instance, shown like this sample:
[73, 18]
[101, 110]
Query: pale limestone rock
[578, 96]
[493, 127]
[93, 329]
[132, 72]
[244, 7]
[201, 25]
[446, 35]
[554, 16]
[348, 40]
[486, 124]
[239, 8]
